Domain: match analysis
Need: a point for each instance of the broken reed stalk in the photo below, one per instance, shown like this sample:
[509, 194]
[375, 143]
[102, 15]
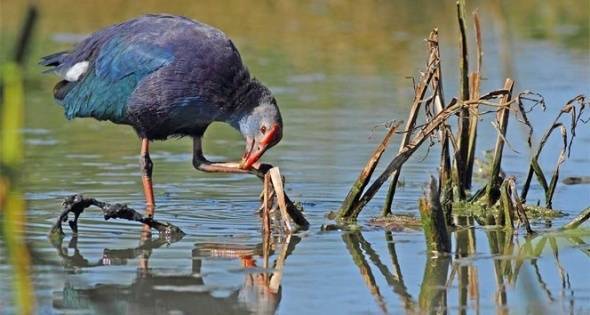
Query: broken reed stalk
[445, 181]
[400, 159]
[359, 185]
[578, 220]
[431, 69]
[511, 207]
[431, 126]
[474, 79]
[492, 191]
[277, 183]
[506, 211]
[266, 205]
[518, 206]
[433, 220]
[464, 120]
[294, 212]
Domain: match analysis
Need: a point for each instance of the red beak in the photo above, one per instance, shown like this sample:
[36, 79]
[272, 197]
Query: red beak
[255, 151]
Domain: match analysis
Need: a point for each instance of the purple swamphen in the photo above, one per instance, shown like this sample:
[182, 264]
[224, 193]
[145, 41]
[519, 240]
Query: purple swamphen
[167, 76]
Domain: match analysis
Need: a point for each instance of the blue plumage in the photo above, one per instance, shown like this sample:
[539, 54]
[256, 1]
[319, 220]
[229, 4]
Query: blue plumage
[119, 67]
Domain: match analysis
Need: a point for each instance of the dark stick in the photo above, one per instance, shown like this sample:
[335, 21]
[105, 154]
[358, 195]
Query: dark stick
[518, 205]
[574, 108]
[76, 204]
[464, 121]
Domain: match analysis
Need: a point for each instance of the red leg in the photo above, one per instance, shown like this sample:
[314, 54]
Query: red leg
[146, 176]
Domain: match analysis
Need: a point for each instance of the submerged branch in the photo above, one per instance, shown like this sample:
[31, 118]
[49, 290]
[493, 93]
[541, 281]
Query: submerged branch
[76, 204]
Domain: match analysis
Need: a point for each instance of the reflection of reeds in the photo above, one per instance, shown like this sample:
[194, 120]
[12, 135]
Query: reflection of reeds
[353, 245]
[433, 293]
[398, 285]
[358, 247]
[508, 258]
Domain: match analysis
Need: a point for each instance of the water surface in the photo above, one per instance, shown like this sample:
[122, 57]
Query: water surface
[338, 70]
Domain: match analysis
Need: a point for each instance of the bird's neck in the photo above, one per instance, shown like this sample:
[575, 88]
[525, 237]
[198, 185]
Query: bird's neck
[246, 98]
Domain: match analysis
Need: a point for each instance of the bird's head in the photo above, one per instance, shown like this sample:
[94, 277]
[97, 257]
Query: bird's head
[262, 127]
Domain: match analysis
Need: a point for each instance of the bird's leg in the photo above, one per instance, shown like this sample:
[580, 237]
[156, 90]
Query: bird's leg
[146, 167]
[202, 164]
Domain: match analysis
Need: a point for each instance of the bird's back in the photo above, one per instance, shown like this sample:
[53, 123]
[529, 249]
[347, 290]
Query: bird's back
[147, 71]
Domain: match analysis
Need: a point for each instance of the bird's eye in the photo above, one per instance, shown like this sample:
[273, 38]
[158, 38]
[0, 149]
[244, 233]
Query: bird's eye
[263, 129]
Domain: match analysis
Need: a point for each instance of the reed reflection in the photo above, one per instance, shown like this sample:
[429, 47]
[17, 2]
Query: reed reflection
[459, 274]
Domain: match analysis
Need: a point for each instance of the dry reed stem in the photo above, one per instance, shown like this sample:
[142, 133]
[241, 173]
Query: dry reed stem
[575, 109]
[404, 155]
[445, 181]
[578, 220]
[266, 205]
[518, 206]
[502, 119]
[433, 220]
[420, 92]
[464, 120]
[475, 80]
[359, 185]
[277, 182]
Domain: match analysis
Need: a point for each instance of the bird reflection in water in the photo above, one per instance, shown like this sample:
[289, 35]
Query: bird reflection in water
[153, 293]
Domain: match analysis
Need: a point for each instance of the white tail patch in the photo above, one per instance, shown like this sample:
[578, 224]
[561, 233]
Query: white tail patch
[74, 73]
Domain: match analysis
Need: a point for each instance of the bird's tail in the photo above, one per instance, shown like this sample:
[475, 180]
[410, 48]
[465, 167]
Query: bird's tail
[53, 60]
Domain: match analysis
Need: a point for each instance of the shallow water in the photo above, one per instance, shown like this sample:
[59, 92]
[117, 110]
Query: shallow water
[337, 71]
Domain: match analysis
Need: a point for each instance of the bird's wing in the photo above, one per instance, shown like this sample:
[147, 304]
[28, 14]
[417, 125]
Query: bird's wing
[103, 71]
